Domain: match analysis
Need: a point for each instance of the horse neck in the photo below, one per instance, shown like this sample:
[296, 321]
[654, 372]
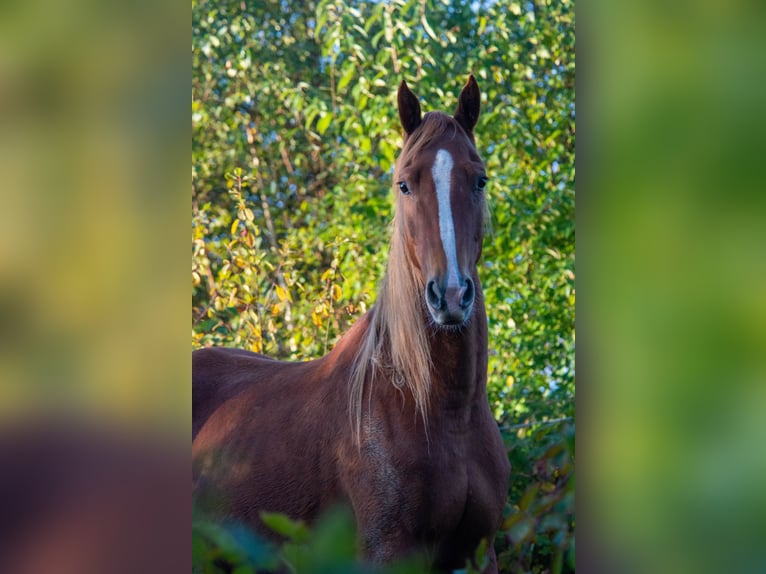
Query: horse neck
[459, 359]
[441, 368]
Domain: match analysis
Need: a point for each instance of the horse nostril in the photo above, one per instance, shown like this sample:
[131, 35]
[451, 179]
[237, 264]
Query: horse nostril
[433, 295]
[467, 297]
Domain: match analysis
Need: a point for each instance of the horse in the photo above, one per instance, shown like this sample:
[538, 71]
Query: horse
[394, 421]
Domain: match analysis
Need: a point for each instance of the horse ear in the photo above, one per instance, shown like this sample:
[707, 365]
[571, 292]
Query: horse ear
[409, 109]
[468, 106]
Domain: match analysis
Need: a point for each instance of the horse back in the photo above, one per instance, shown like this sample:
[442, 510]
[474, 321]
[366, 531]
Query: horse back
[218, 375]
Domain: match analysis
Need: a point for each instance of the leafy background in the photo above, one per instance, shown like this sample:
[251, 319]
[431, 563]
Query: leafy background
[295, 133]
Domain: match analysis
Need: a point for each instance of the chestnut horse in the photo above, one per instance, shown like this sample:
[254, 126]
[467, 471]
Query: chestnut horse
[394, 421]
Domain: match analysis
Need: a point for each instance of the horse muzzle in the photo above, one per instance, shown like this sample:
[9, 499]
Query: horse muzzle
[450, 304]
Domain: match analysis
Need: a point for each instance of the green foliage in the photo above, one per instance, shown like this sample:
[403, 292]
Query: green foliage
[539, 524]
[327, 548]
[295, 133]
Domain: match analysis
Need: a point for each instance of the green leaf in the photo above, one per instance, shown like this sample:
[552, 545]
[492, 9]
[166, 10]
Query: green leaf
[294, 530]
[310, 116]
[324, 123]
[347, 76]
[529, 496]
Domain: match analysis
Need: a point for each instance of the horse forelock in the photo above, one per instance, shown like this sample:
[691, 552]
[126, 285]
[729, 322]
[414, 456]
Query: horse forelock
[435, 126]
[395, 348]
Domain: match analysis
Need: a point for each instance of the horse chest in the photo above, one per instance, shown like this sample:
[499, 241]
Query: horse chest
[435, 492]
[461, 488]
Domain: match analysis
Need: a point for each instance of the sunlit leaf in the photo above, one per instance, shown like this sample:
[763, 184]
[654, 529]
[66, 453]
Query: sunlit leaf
[324, 123]
[295, 530]
[345, 79]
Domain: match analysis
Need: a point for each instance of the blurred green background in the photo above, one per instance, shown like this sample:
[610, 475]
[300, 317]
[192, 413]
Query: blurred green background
[90, 181]
[672, 312]
[670, 206]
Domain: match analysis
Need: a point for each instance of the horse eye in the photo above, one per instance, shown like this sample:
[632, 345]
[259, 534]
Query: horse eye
[403, 188]
[481, 182]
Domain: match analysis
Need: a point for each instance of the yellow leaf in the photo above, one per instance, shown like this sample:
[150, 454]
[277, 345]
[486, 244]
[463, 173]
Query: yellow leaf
[281, 293]
[553, 253]
[234, 226]
[337, 292]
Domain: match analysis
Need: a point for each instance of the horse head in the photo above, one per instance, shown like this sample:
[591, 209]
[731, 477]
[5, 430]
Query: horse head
[440, 179]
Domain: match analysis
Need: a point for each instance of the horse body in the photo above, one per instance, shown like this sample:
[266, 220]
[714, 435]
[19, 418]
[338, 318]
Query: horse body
[394, 421]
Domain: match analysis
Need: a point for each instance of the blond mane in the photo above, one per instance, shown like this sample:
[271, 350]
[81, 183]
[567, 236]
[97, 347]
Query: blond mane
[396, 340]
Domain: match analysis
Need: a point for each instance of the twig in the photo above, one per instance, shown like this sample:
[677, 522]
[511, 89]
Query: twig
[537, 423]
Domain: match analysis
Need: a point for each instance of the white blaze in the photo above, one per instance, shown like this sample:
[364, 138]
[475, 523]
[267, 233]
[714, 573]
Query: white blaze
[442, 174]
